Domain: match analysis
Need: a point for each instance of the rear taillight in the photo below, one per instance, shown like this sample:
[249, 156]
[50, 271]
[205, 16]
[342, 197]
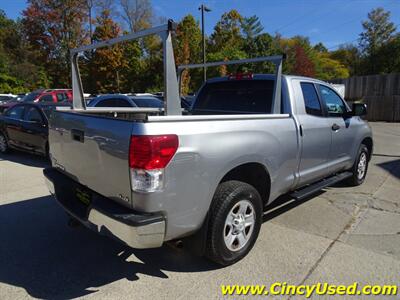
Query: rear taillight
[148, 156]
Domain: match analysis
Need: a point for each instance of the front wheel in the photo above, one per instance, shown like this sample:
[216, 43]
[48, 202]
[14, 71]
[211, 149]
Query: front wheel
[360, 167]
[235, 221]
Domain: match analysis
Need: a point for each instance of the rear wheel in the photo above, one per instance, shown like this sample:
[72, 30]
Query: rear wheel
[3, 143]
[360, 167]
[235, 221]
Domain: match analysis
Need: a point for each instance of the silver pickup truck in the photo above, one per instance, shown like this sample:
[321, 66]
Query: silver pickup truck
[148, 176]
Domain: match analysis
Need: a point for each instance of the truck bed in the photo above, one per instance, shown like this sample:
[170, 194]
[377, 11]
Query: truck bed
[209, 146]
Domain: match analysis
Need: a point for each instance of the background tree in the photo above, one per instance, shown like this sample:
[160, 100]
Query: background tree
[19, 71]
[251, 27]
[349, 56]
[319, 47]
[107, 61]
[226, 42]
[387, 57]
[137, 14]
[187, 48]
[303, 64]
[378, 31]
[34, 51]
[54, 27]
[227, 32]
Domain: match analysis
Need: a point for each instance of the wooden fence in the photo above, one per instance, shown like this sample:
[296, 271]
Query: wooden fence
[380, 92]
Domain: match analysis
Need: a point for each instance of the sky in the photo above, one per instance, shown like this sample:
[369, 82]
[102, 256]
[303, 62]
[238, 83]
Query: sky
[332, 22]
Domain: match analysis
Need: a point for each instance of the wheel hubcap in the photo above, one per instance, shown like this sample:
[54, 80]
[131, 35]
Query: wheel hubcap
[362, 166]
[3, 145]
[239, 225]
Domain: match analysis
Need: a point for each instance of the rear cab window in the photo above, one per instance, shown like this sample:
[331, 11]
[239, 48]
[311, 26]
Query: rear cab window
[236, 96]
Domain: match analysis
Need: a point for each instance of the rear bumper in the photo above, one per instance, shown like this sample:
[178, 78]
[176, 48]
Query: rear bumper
[103, 215]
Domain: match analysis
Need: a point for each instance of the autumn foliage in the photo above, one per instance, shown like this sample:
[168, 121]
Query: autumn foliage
[35, 49]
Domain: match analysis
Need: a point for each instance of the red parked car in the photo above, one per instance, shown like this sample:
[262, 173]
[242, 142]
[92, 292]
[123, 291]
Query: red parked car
[43, 96]
[53, 95]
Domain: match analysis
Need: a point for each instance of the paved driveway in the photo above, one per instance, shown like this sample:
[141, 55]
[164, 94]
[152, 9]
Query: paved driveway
[340, 236]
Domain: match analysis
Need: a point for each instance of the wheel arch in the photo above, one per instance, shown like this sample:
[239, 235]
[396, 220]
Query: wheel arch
[253, 173]
[369, 144]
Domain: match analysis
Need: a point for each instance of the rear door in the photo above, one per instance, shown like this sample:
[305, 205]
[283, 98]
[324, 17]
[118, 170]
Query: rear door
[315, 133]
[342, 128]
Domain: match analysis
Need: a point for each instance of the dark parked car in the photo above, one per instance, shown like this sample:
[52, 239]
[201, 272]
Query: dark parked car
[6, 100]
[42, 96]
[24, 127]
[117, 100]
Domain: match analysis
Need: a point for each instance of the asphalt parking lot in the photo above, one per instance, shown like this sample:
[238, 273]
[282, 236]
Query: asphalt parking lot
[341, 236]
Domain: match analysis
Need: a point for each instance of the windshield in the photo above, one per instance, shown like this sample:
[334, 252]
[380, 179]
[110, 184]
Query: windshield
[148, 102]
[236, 96]
[6, 98]
[30, 97]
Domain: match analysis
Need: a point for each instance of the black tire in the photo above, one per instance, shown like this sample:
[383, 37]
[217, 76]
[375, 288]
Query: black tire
[226, 198]
[358, 177]
[47, 151]
[3, 143]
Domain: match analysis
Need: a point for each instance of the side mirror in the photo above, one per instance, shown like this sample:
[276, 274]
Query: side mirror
[359, 109]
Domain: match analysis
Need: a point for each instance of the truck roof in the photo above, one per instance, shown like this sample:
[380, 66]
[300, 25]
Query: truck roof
[263, 77]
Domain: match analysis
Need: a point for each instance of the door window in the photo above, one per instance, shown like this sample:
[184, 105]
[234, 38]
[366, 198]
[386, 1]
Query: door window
[15, 112]
[46, 98]
[334, 104]
[33, 115]
[61, 97]
[311, 101]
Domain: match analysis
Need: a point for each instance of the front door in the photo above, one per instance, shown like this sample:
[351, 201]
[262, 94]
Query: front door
[342, 127]
[34, 129]
[14, 118]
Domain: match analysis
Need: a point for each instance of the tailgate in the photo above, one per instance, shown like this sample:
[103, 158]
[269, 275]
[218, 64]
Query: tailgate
[93, 151]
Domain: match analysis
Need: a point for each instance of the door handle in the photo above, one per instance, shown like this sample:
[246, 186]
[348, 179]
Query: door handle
[335, 127]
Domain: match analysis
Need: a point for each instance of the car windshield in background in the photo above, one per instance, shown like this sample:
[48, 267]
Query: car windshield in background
[236, 96]
[6, 98]
[30, 97]
[148, 102]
